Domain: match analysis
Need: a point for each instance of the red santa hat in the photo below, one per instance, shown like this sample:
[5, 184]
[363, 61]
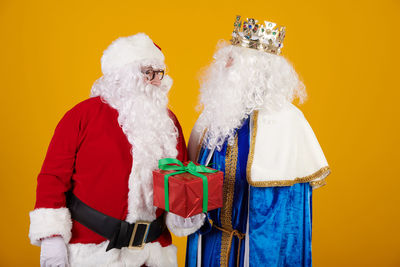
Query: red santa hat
[137, 48]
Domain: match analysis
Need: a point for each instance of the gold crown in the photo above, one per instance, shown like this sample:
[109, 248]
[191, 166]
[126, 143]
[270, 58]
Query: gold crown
[267, 38]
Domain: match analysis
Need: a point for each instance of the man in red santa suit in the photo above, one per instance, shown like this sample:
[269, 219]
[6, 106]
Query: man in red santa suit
[102, 156]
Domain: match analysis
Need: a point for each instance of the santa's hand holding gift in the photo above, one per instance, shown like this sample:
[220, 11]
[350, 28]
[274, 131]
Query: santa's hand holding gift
[94, 204]
[187, 192]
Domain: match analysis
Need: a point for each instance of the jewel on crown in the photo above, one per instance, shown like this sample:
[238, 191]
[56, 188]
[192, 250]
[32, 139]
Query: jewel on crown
[267, 37]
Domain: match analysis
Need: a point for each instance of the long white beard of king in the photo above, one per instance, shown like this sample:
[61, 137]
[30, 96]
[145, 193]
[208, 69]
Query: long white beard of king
[255, 80]
[143, 116]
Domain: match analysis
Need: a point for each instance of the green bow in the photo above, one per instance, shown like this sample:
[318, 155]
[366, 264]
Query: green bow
[192, 168]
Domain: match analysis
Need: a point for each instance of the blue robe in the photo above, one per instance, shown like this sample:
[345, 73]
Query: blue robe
[279, 231]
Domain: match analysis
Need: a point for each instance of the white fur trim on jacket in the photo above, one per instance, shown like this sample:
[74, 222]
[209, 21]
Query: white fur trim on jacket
[126, 50]
[48, 222]
[95, 255]
[184, 226]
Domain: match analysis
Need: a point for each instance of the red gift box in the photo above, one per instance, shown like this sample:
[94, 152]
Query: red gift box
[186, 192]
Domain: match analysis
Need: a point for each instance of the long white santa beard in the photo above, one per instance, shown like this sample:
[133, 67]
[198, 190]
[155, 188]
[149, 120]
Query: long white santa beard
[143, 116]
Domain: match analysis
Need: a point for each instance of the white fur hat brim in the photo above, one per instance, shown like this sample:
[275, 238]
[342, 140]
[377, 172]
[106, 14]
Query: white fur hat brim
[137, 48]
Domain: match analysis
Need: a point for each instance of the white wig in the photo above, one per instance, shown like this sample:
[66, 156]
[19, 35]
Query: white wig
[255, 80]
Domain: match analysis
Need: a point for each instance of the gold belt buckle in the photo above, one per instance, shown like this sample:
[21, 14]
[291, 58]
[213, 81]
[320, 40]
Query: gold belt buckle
[134, 233]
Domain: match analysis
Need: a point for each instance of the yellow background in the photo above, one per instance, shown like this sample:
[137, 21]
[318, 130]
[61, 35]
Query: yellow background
[347, 53]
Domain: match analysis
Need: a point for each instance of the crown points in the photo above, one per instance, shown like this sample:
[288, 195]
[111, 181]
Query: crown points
[267, 37]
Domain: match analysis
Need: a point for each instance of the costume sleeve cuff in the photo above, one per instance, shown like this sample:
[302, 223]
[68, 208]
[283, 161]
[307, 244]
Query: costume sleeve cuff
[184, 226]
[47, 222]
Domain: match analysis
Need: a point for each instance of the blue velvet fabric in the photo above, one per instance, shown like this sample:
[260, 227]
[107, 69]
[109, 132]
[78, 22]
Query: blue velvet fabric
[211, 237]
[279, 219]
[280, 225]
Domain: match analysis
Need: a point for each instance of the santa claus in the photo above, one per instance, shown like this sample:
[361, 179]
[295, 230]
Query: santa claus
[94, 203]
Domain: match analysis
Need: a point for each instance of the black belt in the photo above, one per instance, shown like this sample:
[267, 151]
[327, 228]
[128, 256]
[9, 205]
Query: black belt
[120, 233]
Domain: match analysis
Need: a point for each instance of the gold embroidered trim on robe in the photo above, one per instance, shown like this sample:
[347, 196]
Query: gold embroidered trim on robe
[318, 183]
[323, 172]
[228, 192]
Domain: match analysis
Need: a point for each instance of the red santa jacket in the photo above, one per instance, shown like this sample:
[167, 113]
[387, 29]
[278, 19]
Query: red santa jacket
[90, 154]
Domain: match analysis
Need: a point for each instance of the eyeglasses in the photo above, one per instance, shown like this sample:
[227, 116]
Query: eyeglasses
[150, 74]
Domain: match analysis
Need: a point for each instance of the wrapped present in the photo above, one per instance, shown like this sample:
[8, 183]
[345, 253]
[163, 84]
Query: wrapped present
[186, 190]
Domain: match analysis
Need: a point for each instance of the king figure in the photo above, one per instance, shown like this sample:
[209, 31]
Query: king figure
[271, 159]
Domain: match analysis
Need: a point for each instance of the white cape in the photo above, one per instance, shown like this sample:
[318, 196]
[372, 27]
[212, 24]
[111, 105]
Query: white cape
[284, 150]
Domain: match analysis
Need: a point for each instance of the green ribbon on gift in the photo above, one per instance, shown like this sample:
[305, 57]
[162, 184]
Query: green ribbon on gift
[164, 164]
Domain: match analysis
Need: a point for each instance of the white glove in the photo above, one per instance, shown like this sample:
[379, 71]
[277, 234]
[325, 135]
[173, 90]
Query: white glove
[53, 252]
[184, 226]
